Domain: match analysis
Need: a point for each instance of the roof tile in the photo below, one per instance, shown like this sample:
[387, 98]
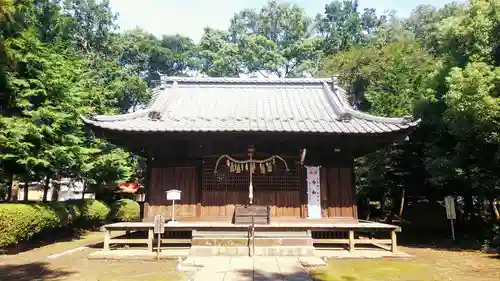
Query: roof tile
[233, 104]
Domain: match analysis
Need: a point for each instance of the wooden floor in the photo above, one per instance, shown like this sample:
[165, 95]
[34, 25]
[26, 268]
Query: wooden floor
[284, 223]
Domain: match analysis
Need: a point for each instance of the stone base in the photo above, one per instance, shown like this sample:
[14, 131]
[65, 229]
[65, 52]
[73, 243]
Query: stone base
[245, 251]
[239, 243]
[132, 254]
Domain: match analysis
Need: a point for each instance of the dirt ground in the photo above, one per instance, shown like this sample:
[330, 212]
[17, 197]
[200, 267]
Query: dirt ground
[41, 264]
[428, 264]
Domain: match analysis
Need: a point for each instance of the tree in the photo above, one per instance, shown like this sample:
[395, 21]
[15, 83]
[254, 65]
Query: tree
[218, 57]
[143, 53]
[277, 40]
[387, 81]
[51, 76]
[425, 20]
[343, 26]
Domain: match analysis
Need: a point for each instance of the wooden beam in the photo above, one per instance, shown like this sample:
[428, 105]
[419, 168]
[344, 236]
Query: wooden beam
[394, 246]
[351, 241]
[150, 239]
[175, 241]
[107, 237]
[129, 241]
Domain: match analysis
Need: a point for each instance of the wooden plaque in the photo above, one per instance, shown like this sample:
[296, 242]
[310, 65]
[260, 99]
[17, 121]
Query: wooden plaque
[159, 224]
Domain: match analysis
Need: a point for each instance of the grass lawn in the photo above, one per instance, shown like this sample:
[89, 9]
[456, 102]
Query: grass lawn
[427, 265]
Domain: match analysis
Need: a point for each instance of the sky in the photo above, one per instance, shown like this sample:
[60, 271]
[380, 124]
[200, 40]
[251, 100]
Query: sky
[189, 17]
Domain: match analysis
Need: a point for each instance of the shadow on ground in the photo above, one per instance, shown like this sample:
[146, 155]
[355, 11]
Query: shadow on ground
[44, 239]
[30, 272]
[259, 275]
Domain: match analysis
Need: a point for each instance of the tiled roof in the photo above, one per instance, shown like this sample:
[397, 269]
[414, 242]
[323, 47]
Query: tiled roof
[193, 104]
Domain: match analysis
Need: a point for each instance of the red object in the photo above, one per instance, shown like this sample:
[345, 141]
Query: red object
[129, 187]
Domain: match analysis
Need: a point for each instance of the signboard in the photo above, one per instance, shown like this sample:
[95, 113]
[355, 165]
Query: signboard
[173, 194]
[159, 224]
[313, 193]
[449, 203]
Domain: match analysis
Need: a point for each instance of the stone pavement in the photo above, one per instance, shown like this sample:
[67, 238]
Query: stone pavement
[259, 268]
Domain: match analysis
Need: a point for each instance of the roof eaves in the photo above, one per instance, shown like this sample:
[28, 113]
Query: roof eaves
[157, 103]
[346, 107]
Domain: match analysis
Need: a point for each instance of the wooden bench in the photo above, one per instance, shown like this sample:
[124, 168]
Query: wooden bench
[134, 227]
[244, 214]
[364, 226]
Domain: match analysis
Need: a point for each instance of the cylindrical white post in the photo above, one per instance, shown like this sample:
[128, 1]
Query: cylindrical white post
[173, 210]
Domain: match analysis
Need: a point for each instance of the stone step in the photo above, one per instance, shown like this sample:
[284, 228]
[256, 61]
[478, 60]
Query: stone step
[224, 241]
[246, 233]
[259, 251]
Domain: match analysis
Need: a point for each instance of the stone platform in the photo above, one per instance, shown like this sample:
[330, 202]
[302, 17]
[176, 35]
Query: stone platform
[216, 242]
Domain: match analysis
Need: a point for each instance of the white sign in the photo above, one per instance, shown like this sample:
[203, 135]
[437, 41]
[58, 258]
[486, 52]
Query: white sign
[174, 194]
[449, 202]
[313, 193]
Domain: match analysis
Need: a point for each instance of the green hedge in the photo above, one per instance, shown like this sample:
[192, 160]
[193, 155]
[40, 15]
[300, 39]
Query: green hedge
[20, 222]
[125, 210]
[93, 211]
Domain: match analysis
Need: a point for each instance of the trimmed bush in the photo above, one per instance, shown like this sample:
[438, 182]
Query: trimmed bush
[20, 222]
[93, 211]
[125, 210]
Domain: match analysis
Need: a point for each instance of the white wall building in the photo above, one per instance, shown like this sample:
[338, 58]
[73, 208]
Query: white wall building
[69, 189]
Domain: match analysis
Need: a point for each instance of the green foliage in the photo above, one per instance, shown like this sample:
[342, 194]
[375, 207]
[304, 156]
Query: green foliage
[387, 81]
[53, 75]
[343, 26]
[63, 59]
[20, 222]
[93, 211]
[125, 210]
[276, 40]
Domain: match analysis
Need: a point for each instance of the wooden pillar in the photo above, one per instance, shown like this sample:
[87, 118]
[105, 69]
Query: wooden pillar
[394, 246]
[351, 241]
[150, 239]
[107, 237]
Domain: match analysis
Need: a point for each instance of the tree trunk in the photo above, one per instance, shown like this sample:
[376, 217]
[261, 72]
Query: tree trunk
[9, 187]
[468, 206]
[402, 205]
[56, 187]
[26, 190]
[494, 209]
[14, 188]
[46, 187]
[84, 189]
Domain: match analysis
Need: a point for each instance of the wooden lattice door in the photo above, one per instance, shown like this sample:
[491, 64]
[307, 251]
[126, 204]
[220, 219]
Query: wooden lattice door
[223, 190]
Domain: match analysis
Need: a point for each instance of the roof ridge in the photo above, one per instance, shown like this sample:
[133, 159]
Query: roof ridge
[237, 80]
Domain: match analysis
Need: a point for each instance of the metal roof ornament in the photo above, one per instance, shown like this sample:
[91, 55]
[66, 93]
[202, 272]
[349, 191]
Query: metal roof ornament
[154, 115]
